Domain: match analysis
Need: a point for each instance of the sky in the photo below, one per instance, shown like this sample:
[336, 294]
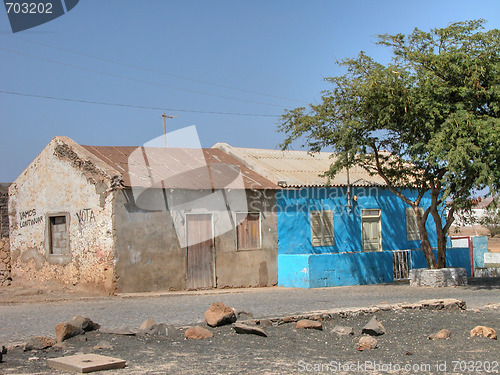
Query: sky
[229, 67]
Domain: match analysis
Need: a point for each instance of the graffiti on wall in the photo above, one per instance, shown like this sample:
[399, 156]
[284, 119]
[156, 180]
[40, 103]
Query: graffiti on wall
[28, 218]
[86, 216]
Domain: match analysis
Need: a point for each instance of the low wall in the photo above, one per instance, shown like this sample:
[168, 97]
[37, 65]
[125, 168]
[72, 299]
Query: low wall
[359, 268]
[5, 277]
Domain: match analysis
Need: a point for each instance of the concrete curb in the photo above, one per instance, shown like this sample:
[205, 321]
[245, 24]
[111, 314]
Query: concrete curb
[433, 304]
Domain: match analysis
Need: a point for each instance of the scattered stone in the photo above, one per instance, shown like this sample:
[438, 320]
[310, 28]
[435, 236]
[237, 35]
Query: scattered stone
[84, 323]
[266, 323]
[367, 342]
[409, 353]
[60, 346]
[243, 315]
[373, 327]
[104, 345]
[198, 333]
[219, 314]
[441, 335]
[484, 331]
[65, 330]
[147, 324]
[39, 343]
[248, 329]
[309, 324]
[288, 319]
[117, 331]
[85, 363]
[342, 330]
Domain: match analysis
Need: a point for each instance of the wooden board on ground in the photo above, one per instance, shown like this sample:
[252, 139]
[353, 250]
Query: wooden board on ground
[85, 363]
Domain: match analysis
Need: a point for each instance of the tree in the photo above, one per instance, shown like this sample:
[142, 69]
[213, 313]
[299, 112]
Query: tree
[491, 219]
[428, 120]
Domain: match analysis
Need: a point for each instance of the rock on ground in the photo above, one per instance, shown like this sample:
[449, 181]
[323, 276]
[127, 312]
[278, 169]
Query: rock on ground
[441, 335]
[219, 314]
[343, 331]
[39, 343]
[252, 330]
[367, 342]
[147, 324]
[84, 323]
[65, 330]
[198, 333]
[309, 324]
[373, 327]
[484, 331]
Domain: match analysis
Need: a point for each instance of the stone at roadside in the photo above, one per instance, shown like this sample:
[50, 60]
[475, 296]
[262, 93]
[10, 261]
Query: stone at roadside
[198, 333]
[118, 331]
[219, 314]
[441, 335]
[39, 343]
[65, 331]
[84, 323]
[147, 324]
[243, 315]
[309, 324]
[343, 330]
[373, 327]
[104, 345]
[266, 323]
[248, 329]
[367, 342]
[484, 331]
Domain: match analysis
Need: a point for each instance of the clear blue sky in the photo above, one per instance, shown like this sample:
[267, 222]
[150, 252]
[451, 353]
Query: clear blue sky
[244, 57]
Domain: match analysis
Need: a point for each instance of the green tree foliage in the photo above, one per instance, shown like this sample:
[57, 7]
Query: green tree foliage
[428, 120]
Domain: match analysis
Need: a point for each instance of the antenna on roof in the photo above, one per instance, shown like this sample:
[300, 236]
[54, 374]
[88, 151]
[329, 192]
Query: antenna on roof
[165, 126]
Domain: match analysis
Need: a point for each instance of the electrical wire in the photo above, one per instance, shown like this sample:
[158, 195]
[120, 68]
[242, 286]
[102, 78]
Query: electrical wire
[150, 70]
[132, 105]
[134, 79]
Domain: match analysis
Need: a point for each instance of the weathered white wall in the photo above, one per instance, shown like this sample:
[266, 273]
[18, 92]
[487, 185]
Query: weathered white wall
[57, 181]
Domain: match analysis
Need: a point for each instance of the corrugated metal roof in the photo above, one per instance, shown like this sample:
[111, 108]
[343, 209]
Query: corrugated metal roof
[298, 168]
[180, 168]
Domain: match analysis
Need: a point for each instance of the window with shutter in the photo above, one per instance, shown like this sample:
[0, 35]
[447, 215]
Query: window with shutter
[248, 231]
[371, 229]
[411, 224]
[322, 228]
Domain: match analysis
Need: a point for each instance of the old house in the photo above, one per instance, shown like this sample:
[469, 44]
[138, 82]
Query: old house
[141, 219]
[350, 230]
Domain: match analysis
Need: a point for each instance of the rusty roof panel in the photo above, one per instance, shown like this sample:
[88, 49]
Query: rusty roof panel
[179, 168]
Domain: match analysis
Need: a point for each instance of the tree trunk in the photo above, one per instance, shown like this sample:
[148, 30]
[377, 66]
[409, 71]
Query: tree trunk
[441, 238]
[425, 244]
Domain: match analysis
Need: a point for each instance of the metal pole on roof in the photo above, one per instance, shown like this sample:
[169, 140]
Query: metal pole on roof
[165, 126]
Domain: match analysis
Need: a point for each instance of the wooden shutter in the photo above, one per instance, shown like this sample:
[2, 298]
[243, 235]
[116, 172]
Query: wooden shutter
[322, 229]
[248, 231]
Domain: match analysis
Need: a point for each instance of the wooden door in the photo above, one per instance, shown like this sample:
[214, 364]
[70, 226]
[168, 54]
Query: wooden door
[200, 256]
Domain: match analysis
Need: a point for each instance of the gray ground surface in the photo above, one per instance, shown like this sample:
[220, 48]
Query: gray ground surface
[20, 321]
[403, 349]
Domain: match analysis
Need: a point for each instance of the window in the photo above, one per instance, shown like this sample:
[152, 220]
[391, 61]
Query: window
[58, 235]
[248, 231]
[322, 231]
[411, 224]
[371, 230]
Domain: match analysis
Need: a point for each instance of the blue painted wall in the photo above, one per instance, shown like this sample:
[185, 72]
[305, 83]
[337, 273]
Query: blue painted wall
[294, 231]
[326, 270]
